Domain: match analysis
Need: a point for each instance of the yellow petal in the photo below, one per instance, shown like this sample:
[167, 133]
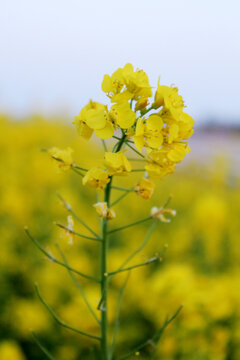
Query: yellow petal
[107, 85]
[173, 133]
[96, 119]
[139, 142]
[140, 127]
[154, 122]
[155, 141]
[105, 133]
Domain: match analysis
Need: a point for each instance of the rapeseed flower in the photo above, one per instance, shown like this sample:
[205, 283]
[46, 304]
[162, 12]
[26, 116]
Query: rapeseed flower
[63, 157]
[96, 177]
[117, 163]
[148, 132]
[126, 84]
[94, 117]
[144, 188]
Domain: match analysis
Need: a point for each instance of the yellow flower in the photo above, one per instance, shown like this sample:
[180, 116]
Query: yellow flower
[158, 164]
[125, 84]
[159, 213]
[180, 129]
[80, 121]
[177, 151]
[117, 163]
[96, 177]
[63, 158]
[103, 211]
[141, 104]
[149, 132]
[145, 188]
[122, 114]
[94, 117]
[138, 84]
[169, 98]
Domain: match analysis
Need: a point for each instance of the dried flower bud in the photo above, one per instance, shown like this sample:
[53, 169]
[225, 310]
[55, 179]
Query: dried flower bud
[103, 211]
[159, 213]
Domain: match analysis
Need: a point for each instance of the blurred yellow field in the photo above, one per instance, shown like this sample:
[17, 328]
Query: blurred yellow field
[200, 268]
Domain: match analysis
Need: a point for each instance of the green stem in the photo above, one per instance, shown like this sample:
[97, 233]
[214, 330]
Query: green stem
[77, 233]
[59, 321]
[104, 280]
[78, 286]
[147, 262]
[153, 342]
[44, 350]
[117, 320]
[121, 188]
[120, 198]
[135, 150]
[129, 225]
[56, 261]
[104, 269]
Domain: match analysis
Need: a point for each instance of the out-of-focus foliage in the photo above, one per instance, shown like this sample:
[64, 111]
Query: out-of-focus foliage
[200, 268]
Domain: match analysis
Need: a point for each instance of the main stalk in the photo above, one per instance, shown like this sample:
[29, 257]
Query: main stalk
[104, 270]
[104, 280]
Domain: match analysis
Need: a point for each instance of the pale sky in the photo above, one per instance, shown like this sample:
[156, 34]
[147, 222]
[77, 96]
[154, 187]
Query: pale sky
[54, 53]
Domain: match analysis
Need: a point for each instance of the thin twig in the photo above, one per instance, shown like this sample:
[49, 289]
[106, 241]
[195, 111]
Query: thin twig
[136, 151]
[104, 146]
[56, 261]
[76, 233]
[129, 225]
[155, 339]
[77, 172]
[69, 208]
[120, 198]
[121, 188]
[78, 285]
[116, 325]
[142, 245]
[79, 167]
[44, 350]
[147, 262]
[59, 321]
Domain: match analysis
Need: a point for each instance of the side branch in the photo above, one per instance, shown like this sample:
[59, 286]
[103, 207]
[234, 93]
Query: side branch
[147, 262]
[78, 285]
[129, 225]
[44, 350]
[69, 208]
[76, 233]
[155, 338]
[117, 321]
[54, 260]
[121, 197]
[59, 321]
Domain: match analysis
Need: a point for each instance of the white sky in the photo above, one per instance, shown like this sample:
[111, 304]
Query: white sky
[54, 53]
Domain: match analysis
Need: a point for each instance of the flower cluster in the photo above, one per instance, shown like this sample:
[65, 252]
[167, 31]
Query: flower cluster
[157, 127]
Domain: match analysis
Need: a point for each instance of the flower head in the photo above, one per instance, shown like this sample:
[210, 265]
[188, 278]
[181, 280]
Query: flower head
[63, 158]
[103, 211]
[125, 84]
[168, 97]
[96, 177]
[144, 188]
[94, 117]
[149, 132]
[117, 163]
